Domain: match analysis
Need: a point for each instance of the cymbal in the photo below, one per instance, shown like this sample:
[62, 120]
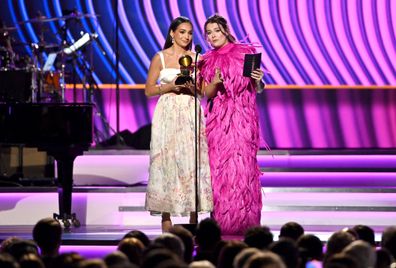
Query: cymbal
[42, 19]
[7, 29]
[79, 16]
[39, 20]
[38, 45]
[45, 46]
[49, 46]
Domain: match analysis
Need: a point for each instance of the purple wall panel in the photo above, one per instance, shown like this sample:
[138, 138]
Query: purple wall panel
[294, 119]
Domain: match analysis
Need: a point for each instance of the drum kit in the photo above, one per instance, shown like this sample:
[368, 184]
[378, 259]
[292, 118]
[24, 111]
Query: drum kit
[47, 76]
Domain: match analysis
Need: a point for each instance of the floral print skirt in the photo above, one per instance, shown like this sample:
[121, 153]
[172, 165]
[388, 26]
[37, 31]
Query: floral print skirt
[172, 179]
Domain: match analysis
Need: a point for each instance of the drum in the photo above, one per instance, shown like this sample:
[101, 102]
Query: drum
[52, 82]
[23, 62]
[50, 90]
[5, 59]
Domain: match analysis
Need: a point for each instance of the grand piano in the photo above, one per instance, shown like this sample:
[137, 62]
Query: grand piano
[63, 130]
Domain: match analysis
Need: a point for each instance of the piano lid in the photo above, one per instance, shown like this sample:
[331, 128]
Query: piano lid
[46, 124]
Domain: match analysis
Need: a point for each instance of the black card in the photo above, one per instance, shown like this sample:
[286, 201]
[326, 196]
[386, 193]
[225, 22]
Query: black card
[251, 63]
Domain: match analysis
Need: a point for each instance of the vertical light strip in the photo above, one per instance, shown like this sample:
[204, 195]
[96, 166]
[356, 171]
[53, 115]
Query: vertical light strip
[371, 42]
[313, 45]
[328, 122]
[347, 120]
[124, 74]
[374, 43]
[222, 10]
[362, 119]
[131, 36]
[48, 14]
[278, 74]
[295, 21]
[293, 124]
[332, 23]
[91, 27]
[278, 48]
[389, 42]
[233, 8]
[342, 39]
[59, 13]
[327, 49]
[11, 8]
[285, 14]
[344, 16]
[279, 120]
[379, 113]
[266, 60]
[356, 32]
[282, 33]
[25, 16]
[128, 116]
[86, 29]
[101, 37]
[153, 23]
[278, 116]
[174, 6]
[201, 18]
[198, 38]
[392, 115]
[392, 21]
[314, 121]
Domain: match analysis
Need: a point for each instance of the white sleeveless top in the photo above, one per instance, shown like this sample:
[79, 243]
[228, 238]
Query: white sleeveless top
[167, 74]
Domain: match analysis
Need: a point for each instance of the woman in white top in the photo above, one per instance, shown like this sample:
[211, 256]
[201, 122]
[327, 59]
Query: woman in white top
[171, 185]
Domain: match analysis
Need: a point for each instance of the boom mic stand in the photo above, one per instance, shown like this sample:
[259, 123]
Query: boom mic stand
[90, 97]
[120, 142]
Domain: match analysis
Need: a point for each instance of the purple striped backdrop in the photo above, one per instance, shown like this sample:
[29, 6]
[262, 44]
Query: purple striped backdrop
[305, 42]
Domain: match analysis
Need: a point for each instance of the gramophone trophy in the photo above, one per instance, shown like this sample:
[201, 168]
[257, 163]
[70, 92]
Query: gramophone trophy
[185, 70]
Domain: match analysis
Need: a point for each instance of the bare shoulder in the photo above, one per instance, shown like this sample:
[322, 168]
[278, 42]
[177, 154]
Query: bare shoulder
[156, 60]
[156, 57]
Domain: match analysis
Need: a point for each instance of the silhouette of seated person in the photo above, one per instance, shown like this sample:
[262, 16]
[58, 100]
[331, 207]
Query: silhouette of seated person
[47, 233]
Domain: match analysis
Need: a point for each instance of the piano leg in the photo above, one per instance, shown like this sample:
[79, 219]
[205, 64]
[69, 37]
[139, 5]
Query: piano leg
[65, 189]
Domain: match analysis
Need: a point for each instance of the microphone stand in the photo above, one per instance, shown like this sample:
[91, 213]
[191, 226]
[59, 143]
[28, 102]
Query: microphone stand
[192, 227]
[197, 51]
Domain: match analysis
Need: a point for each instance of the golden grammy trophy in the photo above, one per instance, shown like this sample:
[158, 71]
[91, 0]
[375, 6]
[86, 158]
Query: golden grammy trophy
[185, 70]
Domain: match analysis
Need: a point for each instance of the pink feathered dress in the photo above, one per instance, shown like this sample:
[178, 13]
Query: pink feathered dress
[233, 140]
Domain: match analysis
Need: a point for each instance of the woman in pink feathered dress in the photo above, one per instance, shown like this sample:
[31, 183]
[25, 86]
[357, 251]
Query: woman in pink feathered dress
[232, 129]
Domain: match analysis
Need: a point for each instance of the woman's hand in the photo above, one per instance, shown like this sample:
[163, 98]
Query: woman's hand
[210, 90]
[176, 88]
[189, 86]
[217, 79]
[257, 75]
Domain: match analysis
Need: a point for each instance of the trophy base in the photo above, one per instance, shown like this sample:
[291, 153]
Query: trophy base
[182, 79]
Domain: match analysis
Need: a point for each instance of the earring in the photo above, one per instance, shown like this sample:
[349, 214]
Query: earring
[173, 40]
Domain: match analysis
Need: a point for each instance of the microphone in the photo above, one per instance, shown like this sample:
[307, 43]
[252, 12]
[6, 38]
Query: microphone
[198, 49]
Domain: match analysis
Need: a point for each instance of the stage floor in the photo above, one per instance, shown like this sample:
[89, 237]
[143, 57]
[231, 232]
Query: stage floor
[323, 192]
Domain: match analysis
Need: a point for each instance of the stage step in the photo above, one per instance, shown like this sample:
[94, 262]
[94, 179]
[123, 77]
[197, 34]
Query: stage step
[125, 206]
